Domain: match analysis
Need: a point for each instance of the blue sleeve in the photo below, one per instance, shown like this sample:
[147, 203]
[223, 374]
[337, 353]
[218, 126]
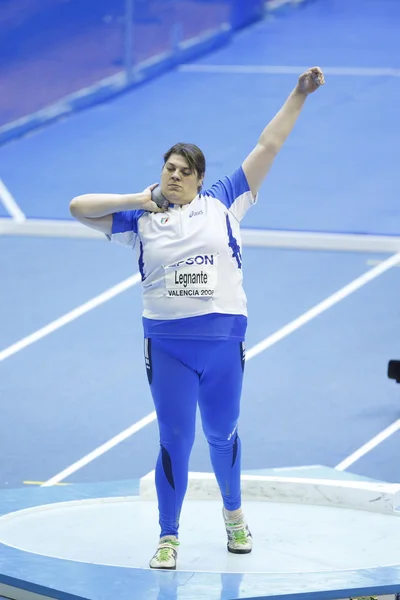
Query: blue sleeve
[234, 193]
[125, 227]
[228, 189]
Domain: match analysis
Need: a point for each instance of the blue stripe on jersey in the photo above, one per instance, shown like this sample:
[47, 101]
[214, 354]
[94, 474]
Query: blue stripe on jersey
[141, 261]
[233, 243]
[126, 220]
[215, 326]
[226, 190]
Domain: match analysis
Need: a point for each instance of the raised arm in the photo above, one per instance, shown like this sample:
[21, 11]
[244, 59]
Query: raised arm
[96, 210]
[260, 159]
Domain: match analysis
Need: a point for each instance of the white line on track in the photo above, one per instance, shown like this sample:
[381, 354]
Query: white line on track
[325, 304]
[378, 439]
[101, 450]
[10, 204]
[348, 289]
[289, 70]
[70, 316]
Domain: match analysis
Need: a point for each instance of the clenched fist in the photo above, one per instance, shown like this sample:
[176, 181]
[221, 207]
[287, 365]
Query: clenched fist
[311, 80]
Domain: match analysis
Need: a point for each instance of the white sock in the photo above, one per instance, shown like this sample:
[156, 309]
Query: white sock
[233, 516]
[169, 538]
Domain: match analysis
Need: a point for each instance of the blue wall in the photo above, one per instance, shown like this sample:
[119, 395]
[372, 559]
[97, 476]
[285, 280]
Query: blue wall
[72, 53]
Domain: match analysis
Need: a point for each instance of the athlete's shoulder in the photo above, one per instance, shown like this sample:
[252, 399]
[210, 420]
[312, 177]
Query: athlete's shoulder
[229, 188]
[233, 192]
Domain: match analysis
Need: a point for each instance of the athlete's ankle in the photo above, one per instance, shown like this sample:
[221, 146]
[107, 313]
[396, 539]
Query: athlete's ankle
[170, 537]
[233, 515]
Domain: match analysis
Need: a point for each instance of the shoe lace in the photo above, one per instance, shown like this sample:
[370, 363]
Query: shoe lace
[164, 554]
[238, 532]
[164, 551]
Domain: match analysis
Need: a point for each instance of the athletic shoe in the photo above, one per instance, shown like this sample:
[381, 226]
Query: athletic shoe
[240, 540]
[166, 554]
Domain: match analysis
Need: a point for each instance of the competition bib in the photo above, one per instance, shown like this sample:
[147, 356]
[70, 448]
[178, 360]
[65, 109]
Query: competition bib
[195, 277]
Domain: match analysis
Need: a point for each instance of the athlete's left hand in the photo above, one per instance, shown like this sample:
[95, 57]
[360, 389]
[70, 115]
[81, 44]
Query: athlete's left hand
[311, 80]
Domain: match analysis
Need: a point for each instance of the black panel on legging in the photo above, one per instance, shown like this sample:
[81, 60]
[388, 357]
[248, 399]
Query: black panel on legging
[167, 466]
[234, 450]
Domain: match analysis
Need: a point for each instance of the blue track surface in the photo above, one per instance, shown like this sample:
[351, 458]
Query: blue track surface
[336, 172]
[319, 394]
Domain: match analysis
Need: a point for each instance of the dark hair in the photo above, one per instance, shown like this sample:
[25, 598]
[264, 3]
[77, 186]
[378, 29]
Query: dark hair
[192, 153]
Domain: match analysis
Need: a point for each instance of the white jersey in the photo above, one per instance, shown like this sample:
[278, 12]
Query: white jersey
[191, 263]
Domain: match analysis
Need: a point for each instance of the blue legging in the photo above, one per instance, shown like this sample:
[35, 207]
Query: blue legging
[181, 374]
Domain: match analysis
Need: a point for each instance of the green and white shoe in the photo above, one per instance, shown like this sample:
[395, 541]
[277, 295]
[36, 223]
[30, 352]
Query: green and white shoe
[240, 540]
[166, 554]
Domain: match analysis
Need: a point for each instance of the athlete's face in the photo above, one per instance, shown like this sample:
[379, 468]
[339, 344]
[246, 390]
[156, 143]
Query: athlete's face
[179, 183]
